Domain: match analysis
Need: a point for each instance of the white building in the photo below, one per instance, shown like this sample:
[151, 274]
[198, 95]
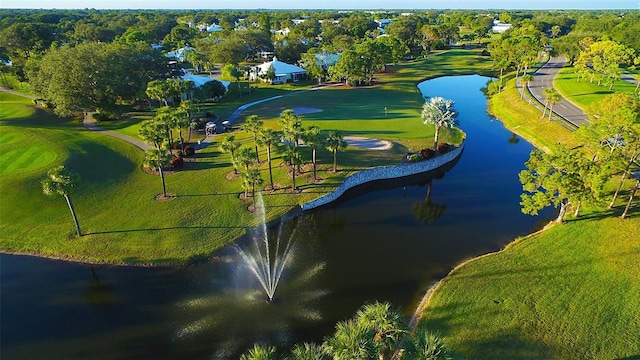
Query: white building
[179, 54]
[284, 72]
[499, 27]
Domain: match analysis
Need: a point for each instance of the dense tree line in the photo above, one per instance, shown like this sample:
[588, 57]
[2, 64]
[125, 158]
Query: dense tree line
[33, 39]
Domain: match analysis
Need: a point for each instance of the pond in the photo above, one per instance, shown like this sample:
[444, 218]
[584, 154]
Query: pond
[388, 242]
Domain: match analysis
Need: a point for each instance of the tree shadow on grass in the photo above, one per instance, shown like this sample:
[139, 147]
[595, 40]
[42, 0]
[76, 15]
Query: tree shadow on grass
[505, 343]
[162, 229]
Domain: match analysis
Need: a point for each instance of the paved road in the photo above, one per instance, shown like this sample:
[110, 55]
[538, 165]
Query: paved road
[543, 78]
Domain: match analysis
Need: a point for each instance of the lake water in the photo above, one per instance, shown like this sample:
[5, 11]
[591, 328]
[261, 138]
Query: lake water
[389, 243]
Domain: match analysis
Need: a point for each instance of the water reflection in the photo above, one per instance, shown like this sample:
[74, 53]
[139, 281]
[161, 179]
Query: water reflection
[427, 211]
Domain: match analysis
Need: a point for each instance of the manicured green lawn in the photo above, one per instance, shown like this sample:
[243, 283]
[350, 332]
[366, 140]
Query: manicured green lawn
[115, 199]
[572, 292]
[583, 92]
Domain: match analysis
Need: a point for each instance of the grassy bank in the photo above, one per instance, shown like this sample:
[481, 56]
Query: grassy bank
[582, 92]
[115, 199]
[570, 292]
[526, 121]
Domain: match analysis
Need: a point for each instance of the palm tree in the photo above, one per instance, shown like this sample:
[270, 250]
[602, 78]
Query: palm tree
[260, 352]
[61, 181]
[268, 137]
[438, 112]
[552, 96]
[158, 159]
[334, 142]
[250, 180]
[166, 116]
[153, 132]
[315, 139]
[158, 90]
[351, 341]
[293, 160]
[308, 351]
[388, 326]
[424, 345]
[182, 119]
[237, 73]
[525, 80]
[253, 125]
[229, 146]
[291, 126]
[244, 157]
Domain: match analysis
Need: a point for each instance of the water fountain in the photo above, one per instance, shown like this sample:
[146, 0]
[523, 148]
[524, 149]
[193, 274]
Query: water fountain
[266, 261]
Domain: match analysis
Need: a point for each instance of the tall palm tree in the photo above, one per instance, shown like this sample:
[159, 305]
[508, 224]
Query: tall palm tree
[260, 352]
[244, 157]
[229, 146]
[250, 180]
[525, 80]
[334, 142]
[182, 119]
[253, 125]
[550, 94]
[308, 351]
[268, 138]
[438, 112]
[315, 139]
[153, 132]
[293, 159]
[291, 126]
[166, 116]
[61, 181]
[387, 324]
[351, 341]
[158, 90]
[158, 159]
[552, 97]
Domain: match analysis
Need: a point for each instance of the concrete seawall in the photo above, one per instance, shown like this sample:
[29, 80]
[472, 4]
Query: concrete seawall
[383, 173]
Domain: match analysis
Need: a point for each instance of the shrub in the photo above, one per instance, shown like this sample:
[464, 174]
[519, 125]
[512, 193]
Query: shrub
[415, 157]
[102, 117]
[444, 147]
[427, 153]
[177, 162]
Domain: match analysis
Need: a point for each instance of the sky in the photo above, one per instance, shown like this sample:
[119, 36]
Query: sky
[323, 4]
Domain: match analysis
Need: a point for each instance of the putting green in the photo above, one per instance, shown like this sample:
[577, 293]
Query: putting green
[26, 158]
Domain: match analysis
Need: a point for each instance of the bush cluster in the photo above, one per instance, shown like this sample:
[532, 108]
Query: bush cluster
[177, 162]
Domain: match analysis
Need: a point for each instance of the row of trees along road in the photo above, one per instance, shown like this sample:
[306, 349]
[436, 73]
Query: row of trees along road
[570, 178]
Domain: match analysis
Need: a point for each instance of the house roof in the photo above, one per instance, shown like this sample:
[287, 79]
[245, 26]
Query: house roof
[280, 67]
[199, 80]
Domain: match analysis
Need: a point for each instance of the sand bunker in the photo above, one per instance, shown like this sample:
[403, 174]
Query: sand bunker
[301, 110]
[366, 143]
